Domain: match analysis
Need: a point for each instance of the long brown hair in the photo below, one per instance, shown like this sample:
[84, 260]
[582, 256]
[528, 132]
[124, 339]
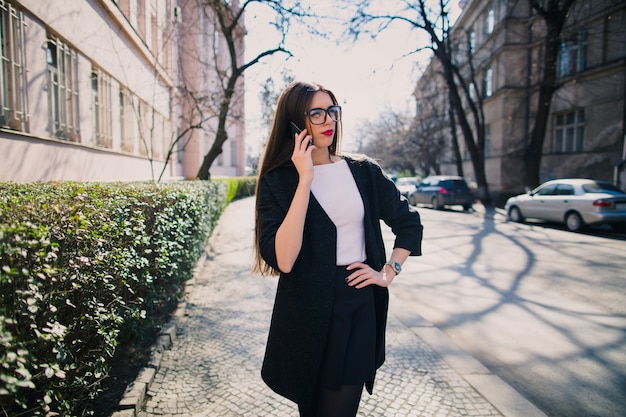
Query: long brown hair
[292, 106]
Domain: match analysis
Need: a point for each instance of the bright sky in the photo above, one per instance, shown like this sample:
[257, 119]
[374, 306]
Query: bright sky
[368, 77]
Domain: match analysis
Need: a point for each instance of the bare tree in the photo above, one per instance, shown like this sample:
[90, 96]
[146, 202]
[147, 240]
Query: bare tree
[146, 117]
[435, 123]
[208, 87]
[466, 105]
[229, 19]
[430, 139]
[269, 97]
[385, 139]
[455, 140]
[206, 75]
[554, 14]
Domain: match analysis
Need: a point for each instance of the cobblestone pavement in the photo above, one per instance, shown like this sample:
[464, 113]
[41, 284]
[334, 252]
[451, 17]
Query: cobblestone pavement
[213, 366]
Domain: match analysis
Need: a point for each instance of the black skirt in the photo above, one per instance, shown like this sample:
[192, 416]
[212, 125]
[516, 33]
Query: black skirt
[350, 352]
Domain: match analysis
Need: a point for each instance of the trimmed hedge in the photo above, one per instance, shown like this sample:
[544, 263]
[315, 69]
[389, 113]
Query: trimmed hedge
[239, 187]
[84, 266]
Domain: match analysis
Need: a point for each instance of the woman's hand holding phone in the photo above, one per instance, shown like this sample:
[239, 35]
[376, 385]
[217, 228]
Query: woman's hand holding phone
[301, 156]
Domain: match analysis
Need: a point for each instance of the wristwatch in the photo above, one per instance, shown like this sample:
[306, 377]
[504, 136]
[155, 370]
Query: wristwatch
[397, 268]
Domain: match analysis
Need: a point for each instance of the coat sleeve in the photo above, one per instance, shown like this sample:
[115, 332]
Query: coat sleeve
[271, 216]
[403, 219]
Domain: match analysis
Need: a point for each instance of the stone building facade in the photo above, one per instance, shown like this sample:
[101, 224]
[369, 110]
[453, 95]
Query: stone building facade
[91, 91]
[586, 135]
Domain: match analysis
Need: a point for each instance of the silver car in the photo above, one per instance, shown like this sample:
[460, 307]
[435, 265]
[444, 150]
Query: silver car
[573, 202]
[406, 185]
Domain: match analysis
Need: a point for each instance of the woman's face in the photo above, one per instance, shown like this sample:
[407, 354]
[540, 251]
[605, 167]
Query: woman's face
[324, 133]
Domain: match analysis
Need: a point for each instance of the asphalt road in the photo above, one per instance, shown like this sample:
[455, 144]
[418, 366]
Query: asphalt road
[541, 307]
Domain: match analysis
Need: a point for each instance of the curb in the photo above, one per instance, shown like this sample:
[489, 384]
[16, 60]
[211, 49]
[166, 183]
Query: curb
[499, 393]
[134, 396]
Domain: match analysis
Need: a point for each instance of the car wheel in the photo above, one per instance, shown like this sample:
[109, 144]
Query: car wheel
[435, 203]
[574, 222]
[515, 215]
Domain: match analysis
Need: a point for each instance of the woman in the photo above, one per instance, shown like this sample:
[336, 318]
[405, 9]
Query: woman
[318, 218]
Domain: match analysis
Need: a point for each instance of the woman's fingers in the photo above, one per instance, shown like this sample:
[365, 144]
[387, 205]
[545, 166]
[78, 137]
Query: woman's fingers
[364, 275]
[301, 156]
[302, 140]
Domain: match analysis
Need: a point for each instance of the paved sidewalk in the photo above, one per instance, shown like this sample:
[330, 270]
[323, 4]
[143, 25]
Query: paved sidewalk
[213, 366]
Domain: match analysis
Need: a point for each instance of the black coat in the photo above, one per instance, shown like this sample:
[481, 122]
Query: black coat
[304, 297]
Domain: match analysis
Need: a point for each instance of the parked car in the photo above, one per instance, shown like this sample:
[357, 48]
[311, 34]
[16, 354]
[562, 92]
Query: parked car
[443, 190]
[573, 202]
[406, 185]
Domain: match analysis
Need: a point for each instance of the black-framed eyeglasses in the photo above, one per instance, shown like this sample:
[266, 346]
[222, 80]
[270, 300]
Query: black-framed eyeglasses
[317, 116]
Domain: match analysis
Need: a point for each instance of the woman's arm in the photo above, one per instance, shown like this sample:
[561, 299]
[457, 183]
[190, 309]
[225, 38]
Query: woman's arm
[290, 233]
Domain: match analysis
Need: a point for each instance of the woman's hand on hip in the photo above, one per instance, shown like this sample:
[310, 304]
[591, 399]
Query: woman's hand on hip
[364, 275]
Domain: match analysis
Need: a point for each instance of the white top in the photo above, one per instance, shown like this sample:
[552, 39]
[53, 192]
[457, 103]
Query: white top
[335, 189]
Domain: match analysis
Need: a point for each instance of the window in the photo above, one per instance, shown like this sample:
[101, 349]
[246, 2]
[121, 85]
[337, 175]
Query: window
[156, 138]
[127, 121]
[572, 55]
[13, 111]
[602, 187]
[490, 21]
[62, 90]
[155, 35]
[488, 83]
[472, 91]
[549, 189]
[487, 150]
[457, 55]
[569, 132]
[150, 126]
[181, 142]
[565, 189]
[472, 41]
[233, 153]
[145, 131]
[134, 12]
[216, 42]
[168, 137]
[101, 104]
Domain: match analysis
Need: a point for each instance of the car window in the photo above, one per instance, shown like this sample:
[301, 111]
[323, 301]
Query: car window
[549, 189]
[565, 189]
[601, 187]
[453, 184]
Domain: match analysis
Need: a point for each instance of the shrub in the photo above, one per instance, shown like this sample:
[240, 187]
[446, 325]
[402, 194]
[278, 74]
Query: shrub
[239, 187]
[84, 266]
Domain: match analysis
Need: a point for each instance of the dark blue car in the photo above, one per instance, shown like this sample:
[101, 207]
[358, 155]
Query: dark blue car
[440, 191]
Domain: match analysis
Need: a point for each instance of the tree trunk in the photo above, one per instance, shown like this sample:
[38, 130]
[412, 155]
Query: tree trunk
[554, 14]
[209, 158]
[222, 134]
[478, 161]
[455, 140]
[534, 150]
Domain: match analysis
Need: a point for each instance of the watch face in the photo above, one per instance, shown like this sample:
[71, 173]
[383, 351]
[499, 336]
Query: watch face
[396, 267]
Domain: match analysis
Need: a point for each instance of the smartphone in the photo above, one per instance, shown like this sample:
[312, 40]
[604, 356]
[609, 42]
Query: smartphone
[295, 130]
